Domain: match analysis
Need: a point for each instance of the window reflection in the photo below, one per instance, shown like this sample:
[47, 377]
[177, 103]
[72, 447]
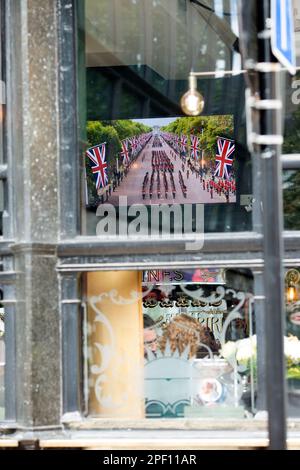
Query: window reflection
[169, 344]
[292, 339]
[291, 199]
[138, 56]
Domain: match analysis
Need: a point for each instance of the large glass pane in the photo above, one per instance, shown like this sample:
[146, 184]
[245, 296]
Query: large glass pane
[170, 344]
[135, 57]
[291, 199]
[292, 95]
[292, 115]
[291, 145]
[292, 339]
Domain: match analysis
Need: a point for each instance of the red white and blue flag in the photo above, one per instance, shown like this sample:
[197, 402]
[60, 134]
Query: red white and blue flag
[134, 144]
[183, 142]
[223, 161]
[125, 151]
[97, 155]
[195, 147]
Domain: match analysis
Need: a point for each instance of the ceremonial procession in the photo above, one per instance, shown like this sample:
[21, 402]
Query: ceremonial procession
[160, 167]
[150, 231]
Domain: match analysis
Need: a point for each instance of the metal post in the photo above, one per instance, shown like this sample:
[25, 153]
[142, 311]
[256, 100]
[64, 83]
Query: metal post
[259, 303]
[270, 122]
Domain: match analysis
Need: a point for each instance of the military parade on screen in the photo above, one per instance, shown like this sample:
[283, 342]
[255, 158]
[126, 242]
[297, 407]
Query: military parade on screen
[162, 168]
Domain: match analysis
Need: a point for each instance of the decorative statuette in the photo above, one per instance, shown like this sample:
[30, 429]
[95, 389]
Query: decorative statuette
[182, 301]
[167, 303]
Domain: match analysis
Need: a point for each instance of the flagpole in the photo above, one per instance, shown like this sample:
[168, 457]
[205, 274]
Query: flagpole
[103, 144]
[86, 187]
[97, 145]
[202, 151]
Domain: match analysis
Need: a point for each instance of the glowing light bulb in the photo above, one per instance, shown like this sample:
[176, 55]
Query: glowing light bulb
[1, 113]
[291, 294]
[192, 102]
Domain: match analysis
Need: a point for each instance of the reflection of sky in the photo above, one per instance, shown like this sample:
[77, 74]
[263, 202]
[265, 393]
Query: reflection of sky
[156, 121]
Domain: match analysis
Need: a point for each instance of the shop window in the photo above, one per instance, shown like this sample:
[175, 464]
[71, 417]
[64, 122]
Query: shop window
[139, 148]
[292, 118]
[292, 94]
[292, 339]
[170, 344]
[291, 199]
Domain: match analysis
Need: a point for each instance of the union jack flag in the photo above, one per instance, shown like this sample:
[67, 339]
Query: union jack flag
[223, 162]
[183, 142]
[194, 147]
[133, 143]
[125, 152]
[97, 156]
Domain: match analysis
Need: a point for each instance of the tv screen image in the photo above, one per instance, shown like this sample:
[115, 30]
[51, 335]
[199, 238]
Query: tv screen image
[178, 160]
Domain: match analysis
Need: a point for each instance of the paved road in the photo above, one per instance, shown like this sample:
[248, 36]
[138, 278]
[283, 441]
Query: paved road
[131, 186]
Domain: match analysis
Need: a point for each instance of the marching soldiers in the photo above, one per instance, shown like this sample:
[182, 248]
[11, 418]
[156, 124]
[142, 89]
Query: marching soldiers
[145, 182]
[160, 161]
[182, 185]
[166, 185]
[156, 142]
[158, 185]
[218, 186]
[173, 185]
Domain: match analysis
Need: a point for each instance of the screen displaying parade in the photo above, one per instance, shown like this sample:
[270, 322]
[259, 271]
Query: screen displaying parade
[161, 161]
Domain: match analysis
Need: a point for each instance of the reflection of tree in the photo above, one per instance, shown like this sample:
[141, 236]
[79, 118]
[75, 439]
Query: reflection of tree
[126, 128]
[292, 134]
[97, 133]
[212, 126]
[291, 199]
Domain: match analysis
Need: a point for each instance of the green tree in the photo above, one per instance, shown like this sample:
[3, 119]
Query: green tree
[127, 128]
[110, 132]
[291, 199]
[206, 128]
[292, 134]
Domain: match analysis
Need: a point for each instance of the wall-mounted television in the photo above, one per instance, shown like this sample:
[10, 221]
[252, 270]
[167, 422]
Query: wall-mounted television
[176, 160]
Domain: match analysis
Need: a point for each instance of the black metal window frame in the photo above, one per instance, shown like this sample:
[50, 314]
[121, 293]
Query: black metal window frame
[78, 254]
[236, 246]
[291, 161]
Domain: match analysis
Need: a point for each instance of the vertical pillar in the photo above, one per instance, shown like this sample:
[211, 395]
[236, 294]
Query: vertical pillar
[265, 138]
[37, 336]
[32, 110]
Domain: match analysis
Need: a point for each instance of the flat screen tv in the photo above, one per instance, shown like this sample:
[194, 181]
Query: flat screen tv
[179, 160]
